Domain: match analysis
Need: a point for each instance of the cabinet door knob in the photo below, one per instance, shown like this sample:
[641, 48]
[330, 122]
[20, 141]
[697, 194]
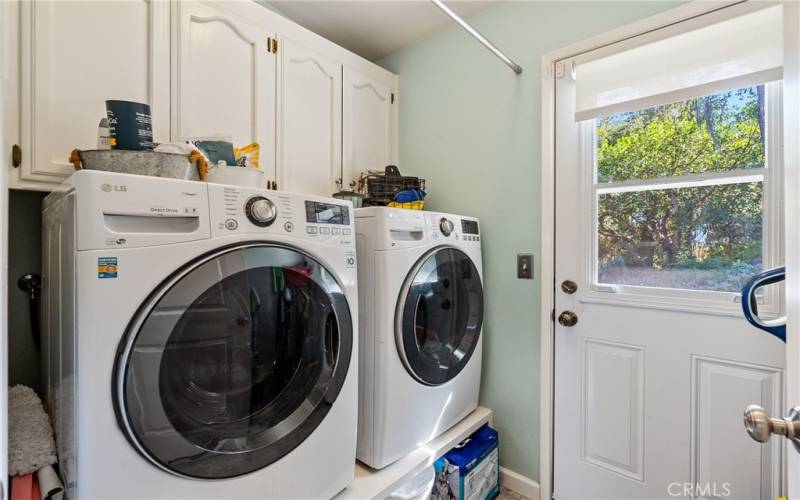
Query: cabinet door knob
[567, 318]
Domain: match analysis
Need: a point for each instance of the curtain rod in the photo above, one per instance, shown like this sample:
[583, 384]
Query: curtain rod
[472, 31]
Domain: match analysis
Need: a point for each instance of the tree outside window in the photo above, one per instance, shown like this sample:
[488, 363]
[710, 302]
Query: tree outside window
[671, 210]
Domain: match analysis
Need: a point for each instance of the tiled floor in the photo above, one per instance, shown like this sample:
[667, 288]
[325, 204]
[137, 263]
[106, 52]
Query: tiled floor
[506, 494]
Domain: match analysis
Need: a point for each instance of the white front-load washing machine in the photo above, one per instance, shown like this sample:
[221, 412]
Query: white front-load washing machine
[198, 339]
[420, 317]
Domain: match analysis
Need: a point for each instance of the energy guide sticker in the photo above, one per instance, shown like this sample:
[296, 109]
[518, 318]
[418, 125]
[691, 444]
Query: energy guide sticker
[107, 267]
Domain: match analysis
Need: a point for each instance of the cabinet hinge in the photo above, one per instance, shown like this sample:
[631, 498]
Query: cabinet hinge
[392, 98]
[16, 156]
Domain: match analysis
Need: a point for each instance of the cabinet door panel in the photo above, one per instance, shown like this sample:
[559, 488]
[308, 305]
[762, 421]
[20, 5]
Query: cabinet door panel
[75, 56]
[225, 82]
[310, 96]
[367, 125]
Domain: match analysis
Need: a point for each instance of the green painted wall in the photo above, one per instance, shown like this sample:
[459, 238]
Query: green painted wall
[471, 127]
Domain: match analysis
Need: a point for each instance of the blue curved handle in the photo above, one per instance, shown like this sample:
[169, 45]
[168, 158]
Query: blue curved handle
[775, 327]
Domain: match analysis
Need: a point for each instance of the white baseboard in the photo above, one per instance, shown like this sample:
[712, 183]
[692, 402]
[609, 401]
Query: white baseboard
[525, 486]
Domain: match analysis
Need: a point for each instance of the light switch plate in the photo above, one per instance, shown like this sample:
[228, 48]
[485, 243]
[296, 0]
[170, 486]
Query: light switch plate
[525, 266]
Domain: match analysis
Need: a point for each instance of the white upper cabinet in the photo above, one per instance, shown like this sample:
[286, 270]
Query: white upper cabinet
[367, 125]
[224, 79]
[310, 120]
[207, 68]
[73, 57]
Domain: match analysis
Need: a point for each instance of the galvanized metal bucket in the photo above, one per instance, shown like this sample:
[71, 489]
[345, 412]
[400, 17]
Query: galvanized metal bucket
[171, 165]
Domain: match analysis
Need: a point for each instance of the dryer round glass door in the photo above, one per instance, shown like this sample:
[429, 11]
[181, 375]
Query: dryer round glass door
[439, 316]
[234, 361]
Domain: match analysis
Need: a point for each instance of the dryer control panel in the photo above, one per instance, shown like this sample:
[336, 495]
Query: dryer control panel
[453, 227]
[397, 228]
[241, 210]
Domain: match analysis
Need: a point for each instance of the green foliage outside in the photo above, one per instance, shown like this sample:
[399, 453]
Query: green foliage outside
[706, 237]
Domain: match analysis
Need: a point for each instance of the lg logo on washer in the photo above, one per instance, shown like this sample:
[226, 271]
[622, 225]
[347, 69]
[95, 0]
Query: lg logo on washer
[107, 188]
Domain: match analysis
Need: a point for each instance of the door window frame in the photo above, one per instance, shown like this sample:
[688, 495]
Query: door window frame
[705, 301]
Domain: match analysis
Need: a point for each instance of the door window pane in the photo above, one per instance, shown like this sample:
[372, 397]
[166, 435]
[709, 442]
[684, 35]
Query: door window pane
[698, 238]
[715, 133]
[679, 193]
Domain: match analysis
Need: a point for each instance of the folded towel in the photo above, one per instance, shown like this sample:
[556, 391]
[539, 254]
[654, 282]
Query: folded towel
[31, 445]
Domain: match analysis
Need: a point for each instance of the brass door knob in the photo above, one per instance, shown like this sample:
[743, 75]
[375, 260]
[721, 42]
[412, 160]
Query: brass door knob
[567, 318]
[569, 287]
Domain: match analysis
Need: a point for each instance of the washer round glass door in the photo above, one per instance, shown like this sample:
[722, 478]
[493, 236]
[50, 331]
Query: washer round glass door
[439, 316]
[234, 361]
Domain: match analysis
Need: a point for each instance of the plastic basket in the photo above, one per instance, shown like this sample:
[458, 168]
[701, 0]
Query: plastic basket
[410, 205]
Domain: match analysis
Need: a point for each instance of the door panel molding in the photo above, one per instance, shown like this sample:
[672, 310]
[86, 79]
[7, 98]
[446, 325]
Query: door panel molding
[368, 85]
[309, 114]
[226, 40]
[367, 125]
[303, 60]
[613, 374]
[712, 425]
[223, 20]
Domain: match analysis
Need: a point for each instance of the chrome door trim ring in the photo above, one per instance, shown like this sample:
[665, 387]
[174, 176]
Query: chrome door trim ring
[130, 334]
[403, 295]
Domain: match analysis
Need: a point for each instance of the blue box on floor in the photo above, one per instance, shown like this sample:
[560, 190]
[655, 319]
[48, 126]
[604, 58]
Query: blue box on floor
[471, 470]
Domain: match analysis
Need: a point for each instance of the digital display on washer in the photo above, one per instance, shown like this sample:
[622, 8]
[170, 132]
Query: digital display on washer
[469, 226]
[327, 213]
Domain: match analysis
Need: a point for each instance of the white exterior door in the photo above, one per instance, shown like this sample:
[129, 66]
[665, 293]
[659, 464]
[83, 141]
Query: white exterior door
[74, 56]
[225, 80]
[310, 121]
[367, 110]
[660, 219]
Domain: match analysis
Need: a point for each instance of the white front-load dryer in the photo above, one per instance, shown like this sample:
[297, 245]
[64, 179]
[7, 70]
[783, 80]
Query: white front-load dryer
[420, 317]
[198, 339]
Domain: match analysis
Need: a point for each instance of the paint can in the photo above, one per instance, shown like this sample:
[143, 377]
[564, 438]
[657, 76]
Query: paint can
[130, 125]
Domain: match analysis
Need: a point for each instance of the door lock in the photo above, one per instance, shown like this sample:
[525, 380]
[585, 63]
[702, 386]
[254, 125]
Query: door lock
[567, 318]
[569, 287]
[760, 426]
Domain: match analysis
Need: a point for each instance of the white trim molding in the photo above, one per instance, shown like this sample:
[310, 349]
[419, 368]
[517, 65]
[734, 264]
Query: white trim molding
[9, 134]
[523, 485]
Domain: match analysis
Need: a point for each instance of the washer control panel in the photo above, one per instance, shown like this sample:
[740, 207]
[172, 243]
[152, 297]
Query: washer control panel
[241, 210]
[326, 218]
